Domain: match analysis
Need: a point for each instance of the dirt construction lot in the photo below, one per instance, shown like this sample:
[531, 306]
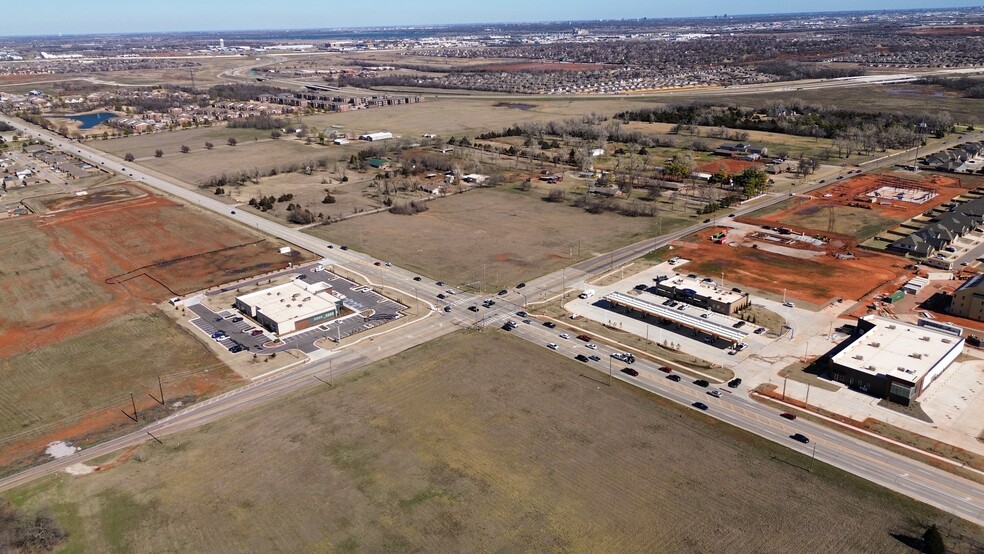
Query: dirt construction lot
[500, 236]
[78, 331]
[862, 206]
[511, 448]
[809, 274]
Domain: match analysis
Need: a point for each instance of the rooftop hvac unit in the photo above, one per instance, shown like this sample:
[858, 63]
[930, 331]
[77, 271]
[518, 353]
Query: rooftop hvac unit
[874, 344]
[891, 327]
[916, 355]
[946, 341]
[858, 357]
[924, 339]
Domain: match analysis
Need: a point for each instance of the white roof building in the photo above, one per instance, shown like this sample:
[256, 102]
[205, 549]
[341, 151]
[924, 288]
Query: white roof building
[292, 306]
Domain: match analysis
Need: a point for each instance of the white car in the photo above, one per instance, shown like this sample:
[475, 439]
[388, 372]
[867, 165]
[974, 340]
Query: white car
[591, 346]
[789, 304]
[715, 393]
[565, 336]
[551, 346]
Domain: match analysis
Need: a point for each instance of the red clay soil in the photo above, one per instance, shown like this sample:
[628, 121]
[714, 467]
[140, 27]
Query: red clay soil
[851, 192]
[731, 165]
[818, 280]
[99, 424]
[140, 252]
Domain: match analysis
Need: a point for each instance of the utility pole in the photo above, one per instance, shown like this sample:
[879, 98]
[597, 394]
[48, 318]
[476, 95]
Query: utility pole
[609, 371]
[784, 387]
[813, 458]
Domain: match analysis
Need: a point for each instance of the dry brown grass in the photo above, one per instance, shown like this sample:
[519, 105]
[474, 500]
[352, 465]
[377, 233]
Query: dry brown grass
[497, 236]
[509, 448]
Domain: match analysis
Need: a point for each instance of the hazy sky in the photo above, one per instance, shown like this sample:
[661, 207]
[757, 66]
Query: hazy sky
[21, 17]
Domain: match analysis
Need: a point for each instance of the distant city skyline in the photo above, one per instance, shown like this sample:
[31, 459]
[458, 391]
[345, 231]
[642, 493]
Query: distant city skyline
[54, 17]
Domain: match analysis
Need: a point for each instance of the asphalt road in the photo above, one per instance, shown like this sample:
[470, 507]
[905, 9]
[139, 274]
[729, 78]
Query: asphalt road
[943, 490]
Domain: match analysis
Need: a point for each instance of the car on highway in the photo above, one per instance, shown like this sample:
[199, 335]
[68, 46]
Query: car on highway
[441, 295]
[417, 278]
[451, 291]
[440, 283]
[447, 308]
[552, 346]
[503, 292]
[508, 326]
[800, 437]
[707, 220]
[581, 358]
[521, 285]
[521, 313]
[714, 393]
[549, 324]
[473, 308]
[699, 405]
[583, 337]
[591, 346]
[343, 247]
[665, 369]
[673, 377]
[528, 321]
[565, 336]
[594, 358]
[788, 416]
[233, 212]
[701, 383]
[789, 304]
[629, 371]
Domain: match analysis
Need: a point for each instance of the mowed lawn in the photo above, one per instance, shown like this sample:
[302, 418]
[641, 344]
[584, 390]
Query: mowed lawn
[498, 236]
[507, 448]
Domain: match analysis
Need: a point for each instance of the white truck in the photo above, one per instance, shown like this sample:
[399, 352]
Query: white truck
[586, 294]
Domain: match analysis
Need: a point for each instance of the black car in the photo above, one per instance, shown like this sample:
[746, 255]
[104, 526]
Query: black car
[734, 382]
[581, 358]
[507, 327]
[800, 437]
[629, 371]
[416, 278]
[503, 292]
[522, 313]
[701, 383]
[707, 221]
[236, 319]
[594, 358]
[302, 277]
[447, 308]
[440, 283]
[344, 247]
[441, 295]
[473, 308]
[673, 377]
[699, 405]
[521, 285]
[641, 287]
[549, 324]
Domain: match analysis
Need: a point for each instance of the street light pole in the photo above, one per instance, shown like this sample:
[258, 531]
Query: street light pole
[783, 296]
[609, 371]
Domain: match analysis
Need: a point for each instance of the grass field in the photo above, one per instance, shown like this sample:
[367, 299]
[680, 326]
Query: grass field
[78, 331]
[510, 448]
[54, 390]
[501, 236]
[31, 263]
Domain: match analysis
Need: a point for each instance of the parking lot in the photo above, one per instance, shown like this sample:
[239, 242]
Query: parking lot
[369, 309]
